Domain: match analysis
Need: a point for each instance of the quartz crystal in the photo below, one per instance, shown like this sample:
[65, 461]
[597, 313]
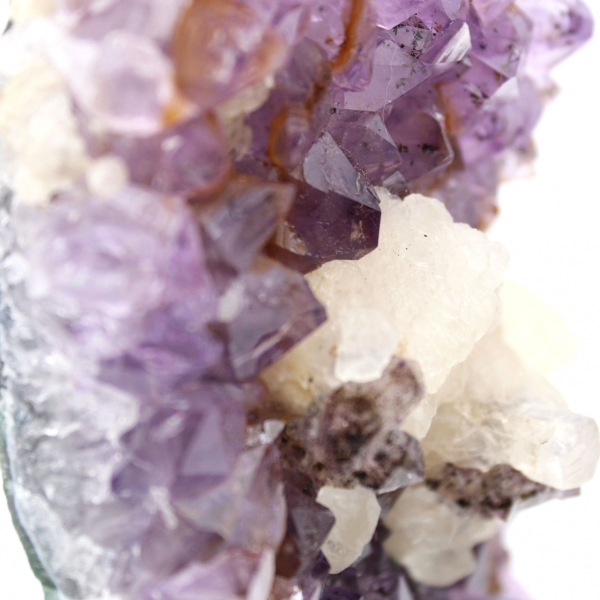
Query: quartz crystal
[529, 425]
[356, 513]
[433, 538]
[254, 342]
[427, 270]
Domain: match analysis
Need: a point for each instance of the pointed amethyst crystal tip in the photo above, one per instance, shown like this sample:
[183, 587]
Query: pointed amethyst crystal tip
[230, 331]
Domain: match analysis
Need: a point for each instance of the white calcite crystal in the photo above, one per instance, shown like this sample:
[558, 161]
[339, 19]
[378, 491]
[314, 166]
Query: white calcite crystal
[426, 293]
[22, 10]
[433, 538]
[38, 126]
[185, 413]
[107, 176]
[492, 410]
[356, 514]
[418, 421]
[535, 331]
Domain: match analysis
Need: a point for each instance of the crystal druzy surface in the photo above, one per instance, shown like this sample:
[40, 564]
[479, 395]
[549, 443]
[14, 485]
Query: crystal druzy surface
[252, 340]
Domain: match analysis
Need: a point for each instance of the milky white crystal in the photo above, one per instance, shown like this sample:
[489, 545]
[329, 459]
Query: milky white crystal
[492, 410]
[107, 176]
[363, 349]
[21, 10]
[536, 332]
[356, 514]
[433, 537]
[427, 293]
[38, 126]
[538, 335]
[261, 584]
[418, 420]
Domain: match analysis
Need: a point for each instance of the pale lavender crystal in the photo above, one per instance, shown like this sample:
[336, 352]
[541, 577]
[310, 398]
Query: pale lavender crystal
[469, 195]
[395, 72]
[559, 28]
[247, 509]
[502, 43]
[490, 9]
[287, 125]
[151, 18]
[354, 65]
[125, 84]
[188, 450]
[187, 159]
[104, 271]
[327, 169]
[145, 460]
[415, 123]
[336, 214]
[231, 574]
[448, 51]
[308, 525]
[367, 143]
[326, 26]
[513, 110]
[392, 12]
[466, 96]
[265, 308]
[264, 313]
[239, 221]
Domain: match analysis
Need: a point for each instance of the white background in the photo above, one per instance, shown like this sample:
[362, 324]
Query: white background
[551, 225]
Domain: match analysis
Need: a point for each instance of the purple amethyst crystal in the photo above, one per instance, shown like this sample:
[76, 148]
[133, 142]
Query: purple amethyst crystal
[192, 163]
[263, 314]
[187, 159]
[365, 140]
[459, 86]
[373, 577]
[308, 525]
[288, 123]
[336, 214]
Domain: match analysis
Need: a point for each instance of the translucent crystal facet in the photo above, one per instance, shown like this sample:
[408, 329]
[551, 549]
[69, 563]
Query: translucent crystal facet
[253, 342]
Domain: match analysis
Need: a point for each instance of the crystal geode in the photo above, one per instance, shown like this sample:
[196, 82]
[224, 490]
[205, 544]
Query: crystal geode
[251, 331]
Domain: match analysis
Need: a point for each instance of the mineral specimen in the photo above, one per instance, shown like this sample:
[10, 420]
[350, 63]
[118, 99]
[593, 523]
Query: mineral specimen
[433, 538]
[426, 293]
[528, 424]
[356, 513]
[243, 356]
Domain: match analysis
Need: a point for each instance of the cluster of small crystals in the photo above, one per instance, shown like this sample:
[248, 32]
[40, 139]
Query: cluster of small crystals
[241, 358]
[430, 96]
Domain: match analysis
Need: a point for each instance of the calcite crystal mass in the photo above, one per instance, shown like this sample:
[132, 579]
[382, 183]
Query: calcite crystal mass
[253, 339]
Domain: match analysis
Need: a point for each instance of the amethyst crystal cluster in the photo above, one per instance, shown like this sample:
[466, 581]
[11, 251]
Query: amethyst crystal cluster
[235, 363]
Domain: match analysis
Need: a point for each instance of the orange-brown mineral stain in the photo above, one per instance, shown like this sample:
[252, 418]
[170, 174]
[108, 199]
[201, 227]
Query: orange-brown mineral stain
[279, 124]
[351, 37]
[178, 109]
[220, 47]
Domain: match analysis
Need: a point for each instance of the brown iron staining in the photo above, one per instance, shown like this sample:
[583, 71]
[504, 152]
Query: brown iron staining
[349, 46]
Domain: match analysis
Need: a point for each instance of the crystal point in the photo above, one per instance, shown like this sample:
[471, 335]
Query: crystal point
[242, 356]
